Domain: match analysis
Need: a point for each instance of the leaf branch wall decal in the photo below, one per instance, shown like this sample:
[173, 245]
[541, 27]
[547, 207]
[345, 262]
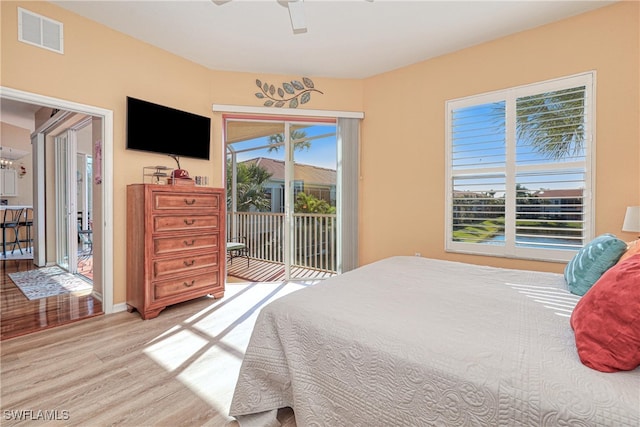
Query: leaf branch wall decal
[294, 93]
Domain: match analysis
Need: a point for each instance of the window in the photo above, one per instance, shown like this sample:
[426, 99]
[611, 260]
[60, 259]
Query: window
[519, 170]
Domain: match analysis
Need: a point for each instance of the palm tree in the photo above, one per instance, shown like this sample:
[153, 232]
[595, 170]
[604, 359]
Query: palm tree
[553, 123]
[249, 187]
[299, 138]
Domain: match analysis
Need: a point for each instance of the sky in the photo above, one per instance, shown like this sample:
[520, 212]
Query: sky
[322, 152]
[479, 142]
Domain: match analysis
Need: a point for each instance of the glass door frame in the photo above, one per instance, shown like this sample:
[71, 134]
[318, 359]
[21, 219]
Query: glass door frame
[66, 209]
[289, 183]
[289, 193]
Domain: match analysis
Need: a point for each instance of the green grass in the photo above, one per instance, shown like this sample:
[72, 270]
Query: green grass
[484, 231]
[490, 228]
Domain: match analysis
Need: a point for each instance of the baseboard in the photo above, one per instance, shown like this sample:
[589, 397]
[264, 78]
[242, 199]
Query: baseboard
[116, 308]
[119, 307]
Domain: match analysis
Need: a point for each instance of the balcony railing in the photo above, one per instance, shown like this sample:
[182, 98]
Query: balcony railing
[314, 237]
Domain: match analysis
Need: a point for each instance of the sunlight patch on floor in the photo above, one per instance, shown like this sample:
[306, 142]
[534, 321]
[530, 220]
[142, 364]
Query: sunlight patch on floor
[175, 349]
[205, 350]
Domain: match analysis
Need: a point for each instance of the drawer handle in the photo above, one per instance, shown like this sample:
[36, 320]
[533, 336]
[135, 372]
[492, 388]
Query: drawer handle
[189, 244]
[188, 285]
[189, 264]
[189, 221]
[192, 202]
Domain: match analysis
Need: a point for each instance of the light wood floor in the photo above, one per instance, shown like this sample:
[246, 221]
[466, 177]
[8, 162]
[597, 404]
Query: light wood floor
[178, 369]
[19, 316]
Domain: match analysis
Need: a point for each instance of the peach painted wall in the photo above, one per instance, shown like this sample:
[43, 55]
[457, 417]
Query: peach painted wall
[100, 67]
[403, 149]
[402, 185]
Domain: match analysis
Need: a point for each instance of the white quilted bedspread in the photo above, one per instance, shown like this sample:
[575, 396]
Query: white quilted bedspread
[415, 342]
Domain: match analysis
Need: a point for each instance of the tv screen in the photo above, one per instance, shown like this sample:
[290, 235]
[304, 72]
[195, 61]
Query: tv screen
[164, 130]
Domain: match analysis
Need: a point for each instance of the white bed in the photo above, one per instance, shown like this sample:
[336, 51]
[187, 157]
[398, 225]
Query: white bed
[414, 341]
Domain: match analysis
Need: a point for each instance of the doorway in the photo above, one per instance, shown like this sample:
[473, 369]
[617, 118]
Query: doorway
[101, 218]
[283, 190]
[73, 152]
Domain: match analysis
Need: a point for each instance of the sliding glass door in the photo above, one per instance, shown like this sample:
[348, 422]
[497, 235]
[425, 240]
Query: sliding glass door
[282, 188]
[65, 197]
[314, 191]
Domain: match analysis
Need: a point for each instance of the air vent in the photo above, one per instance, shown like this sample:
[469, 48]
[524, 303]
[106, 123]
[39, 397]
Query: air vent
[40, 31]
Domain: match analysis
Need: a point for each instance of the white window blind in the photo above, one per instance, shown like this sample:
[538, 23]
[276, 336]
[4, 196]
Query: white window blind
[519, 170]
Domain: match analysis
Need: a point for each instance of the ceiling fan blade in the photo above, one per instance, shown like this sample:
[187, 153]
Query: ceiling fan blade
[296, 13]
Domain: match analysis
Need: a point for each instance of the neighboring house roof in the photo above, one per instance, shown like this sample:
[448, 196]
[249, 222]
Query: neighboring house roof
[561, 193]
[569, 193]
[308, 173]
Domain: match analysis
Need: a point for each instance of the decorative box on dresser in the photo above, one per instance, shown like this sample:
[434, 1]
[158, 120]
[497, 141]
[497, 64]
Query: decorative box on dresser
[175, 245]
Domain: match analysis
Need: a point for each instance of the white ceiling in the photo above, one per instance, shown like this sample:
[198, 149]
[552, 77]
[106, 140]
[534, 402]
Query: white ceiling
[344, 39]
[18, 114]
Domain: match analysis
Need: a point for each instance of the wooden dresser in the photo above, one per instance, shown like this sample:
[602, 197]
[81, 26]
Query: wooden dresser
[175, 245]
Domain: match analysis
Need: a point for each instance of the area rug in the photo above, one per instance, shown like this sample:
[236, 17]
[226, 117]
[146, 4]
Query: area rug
[49, 281]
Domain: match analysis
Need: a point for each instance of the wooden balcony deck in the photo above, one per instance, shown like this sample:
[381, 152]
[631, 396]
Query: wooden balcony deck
[267, 271]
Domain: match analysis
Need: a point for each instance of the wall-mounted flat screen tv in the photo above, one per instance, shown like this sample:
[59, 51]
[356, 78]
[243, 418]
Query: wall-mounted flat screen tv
[164, 130]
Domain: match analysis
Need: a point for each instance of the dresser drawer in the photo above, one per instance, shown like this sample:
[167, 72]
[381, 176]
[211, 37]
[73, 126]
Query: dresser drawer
[184, 285]
[171, 245]
[186, 201]
[175, 250]
[164, 223]
[185, 264]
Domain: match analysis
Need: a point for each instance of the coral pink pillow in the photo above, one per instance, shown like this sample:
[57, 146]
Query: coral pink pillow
[606, 320]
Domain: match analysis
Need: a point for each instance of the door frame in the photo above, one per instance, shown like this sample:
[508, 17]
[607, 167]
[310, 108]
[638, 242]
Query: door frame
[106, 226]
[65, 147]
[289, 179]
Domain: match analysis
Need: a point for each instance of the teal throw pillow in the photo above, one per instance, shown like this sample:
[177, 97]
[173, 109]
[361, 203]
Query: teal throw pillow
[592, 261]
